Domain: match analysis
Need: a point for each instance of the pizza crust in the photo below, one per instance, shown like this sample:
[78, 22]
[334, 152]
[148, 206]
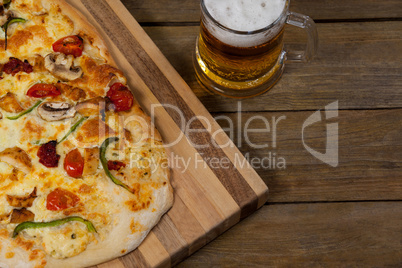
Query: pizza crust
[121, 240]
[129, 226]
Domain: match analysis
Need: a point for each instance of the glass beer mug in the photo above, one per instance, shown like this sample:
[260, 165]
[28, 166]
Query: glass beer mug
[239, 52]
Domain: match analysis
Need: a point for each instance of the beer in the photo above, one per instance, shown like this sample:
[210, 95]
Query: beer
[240, 41]
[239, 63]
[239, 52]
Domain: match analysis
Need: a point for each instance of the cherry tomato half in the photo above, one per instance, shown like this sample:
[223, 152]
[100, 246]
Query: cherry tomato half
[43, 90]
[69, 45]
[74, 164]
[121, 97]
[61, 199]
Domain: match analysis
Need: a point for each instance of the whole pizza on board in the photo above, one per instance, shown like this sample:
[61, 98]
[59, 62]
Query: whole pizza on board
[83, 174]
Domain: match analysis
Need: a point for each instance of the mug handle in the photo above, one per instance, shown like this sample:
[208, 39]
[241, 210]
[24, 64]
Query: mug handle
[304, 22]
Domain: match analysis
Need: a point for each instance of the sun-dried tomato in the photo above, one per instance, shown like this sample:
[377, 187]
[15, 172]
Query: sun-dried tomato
[115, 165]
[14, 66]
[47, 154]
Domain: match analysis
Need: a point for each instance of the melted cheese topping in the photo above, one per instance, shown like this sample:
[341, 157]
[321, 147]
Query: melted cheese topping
[65, 241]
[99, 198]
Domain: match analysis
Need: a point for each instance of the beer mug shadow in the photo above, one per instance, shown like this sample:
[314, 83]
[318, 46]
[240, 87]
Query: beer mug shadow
[235, 61]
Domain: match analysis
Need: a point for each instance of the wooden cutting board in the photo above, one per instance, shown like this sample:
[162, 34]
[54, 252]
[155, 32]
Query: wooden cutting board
[214, 185]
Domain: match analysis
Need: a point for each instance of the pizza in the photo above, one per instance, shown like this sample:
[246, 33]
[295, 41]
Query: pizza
[84, 175]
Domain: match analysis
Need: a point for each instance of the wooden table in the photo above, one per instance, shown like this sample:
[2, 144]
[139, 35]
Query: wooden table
[316, 215]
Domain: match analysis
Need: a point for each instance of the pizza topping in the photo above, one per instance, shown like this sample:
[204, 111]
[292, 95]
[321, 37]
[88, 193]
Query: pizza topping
[13, 176]
[14, 66]
[70, 45]
[61, 66]
[47, 154]
[61, 199]
[91, 160]
[27, 225]
[74, 164]
[25, 112]
[121, 97]
[21, 215]
[42, 90]
[37, 62]
[17, 158]
[55, 111]
[93, 106]
[73, 128]
[5, 217]
[6, 3]
[22, 201]
[11, 20]
[104, 162]
[70, 92]
[115, 165]
[9, 103]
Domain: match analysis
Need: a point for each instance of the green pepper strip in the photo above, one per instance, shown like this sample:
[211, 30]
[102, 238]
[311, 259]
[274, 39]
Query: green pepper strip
[25, 112]
[36, 225]
[7, 24]
[73, 128]
[103, 160]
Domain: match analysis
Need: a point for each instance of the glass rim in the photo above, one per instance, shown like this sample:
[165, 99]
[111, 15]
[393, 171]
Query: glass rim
[206, 12]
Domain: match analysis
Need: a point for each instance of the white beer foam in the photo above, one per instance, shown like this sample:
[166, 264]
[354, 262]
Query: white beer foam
[243, 15]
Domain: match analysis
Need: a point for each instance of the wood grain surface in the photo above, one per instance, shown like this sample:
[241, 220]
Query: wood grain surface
[310, 235]
[168, 11]
[317, 216]
[370, 153]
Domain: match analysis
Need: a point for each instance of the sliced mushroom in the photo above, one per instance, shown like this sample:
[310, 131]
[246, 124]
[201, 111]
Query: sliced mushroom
[62, 67]
[17, 158]
[55, 111]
